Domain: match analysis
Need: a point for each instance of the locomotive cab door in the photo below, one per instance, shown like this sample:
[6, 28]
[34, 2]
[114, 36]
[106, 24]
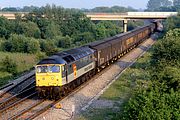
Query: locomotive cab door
[64, 74]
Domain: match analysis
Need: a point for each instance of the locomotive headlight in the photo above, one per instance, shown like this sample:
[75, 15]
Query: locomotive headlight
[52, 78]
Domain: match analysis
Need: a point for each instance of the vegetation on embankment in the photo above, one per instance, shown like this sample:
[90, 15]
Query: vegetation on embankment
[13, 64]
[161, 98]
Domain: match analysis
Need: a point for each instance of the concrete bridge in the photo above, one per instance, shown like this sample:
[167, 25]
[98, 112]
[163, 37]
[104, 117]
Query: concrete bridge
[130, 16]
[109, 16]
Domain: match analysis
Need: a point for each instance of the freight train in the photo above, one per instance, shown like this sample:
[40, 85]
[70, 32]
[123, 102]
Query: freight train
[63, 71]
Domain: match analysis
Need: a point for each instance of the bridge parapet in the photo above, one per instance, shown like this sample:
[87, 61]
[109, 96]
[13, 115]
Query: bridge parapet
[130, 15]
[152, 14]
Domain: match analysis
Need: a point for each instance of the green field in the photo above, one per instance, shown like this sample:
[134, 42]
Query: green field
[24, 62]
[120, 91]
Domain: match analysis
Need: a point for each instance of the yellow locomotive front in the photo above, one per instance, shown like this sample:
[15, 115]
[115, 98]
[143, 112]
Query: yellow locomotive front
[49, 79]
[48, 75]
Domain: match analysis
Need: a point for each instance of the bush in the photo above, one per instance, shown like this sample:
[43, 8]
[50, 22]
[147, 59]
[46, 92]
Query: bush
[48, 47]
[5, 27]
[168, 76]
[1, 44]
[7, 46]
[16, 43]
[52, 30]
[64, 42]
[9, 65]
[167, 51]
[173, 22]
[153, 105]
[40, 55]
[30, 29]
[33, 46]
[84, 37]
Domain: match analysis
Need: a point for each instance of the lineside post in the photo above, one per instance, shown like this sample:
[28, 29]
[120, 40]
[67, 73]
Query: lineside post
[125, 21]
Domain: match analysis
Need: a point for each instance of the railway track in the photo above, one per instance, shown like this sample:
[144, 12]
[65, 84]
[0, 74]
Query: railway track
[17, 97]
[13, 109]
[17, 88]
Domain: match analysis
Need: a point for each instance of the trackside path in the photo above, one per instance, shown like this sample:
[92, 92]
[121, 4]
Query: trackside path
[80, 100]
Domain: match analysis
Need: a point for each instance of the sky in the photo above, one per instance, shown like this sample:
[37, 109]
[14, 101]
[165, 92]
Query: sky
[75, 3]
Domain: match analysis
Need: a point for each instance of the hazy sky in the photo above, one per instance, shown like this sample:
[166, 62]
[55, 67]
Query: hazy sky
[75, 3]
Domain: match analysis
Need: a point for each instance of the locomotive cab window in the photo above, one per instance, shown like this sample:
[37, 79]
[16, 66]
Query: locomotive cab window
[48, 69]
[54, 69]
[41, 69]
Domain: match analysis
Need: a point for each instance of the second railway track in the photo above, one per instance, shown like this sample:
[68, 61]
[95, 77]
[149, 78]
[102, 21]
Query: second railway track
[17, 88]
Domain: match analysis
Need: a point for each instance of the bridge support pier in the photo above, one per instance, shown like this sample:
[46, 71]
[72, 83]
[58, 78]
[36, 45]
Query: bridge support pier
[125, 21]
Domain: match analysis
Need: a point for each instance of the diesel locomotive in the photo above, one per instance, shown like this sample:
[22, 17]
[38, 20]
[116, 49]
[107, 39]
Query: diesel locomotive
[63, 71]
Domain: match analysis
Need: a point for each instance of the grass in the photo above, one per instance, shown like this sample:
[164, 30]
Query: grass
[24, 62]
[120, 91]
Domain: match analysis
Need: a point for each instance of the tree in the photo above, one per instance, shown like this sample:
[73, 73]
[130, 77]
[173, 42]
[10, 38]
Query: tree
[7, 46]
[5, 28]
[100, 32]
[173, 22]
[48, 46]
[176, 2]
[1, 44]
[18, 43]
[155, 4]
[134, 24]
[52, 30]
[42, 24]
[4, 32]
[112, 28]
[30, 29]
[84, 37]
[33, 46]
[64, 42]
[10, 9]
[113, 9]
[167, 51]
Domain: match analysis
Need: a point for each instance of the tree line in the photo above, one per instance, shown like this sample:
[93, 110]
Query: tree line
[163, 5]
[52, 28]
[60, 28]
[96, 9]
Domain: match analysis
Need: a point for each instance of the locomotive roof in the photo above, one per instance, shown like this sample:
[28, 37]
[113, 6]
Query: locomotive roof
[55, 59]
[68, 56]
[80, 52]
